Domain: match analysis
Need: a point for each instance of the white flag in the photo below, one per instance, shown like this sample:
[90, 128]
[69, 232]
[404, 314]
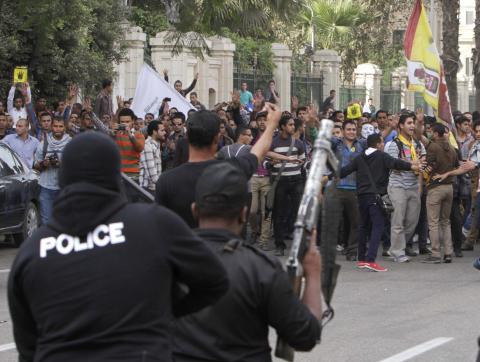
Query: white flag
[150, 92]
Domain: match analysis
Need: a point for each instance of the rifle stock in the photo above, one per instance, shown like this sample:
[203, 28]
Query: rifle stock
[307, 217]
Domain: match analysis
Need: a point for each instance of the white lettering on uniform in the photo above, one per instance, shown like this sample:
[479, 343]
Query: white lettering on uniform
[101, 242]
[102, 236]
[116, 234]
[45, 245]
[64, 249]
[79, 246]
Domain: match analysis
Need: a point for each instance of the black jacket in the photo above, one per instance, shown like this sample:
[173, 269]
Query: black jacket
[107, 296]
[380, 164]
[236, 328]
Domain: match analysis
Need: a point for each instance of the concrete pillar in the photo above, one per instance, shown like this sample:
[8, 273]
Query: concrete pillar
[222, 52]
[128, 70]
[182, 67]
[327, 62]
[463, 93]
[407, 97]
[369, 76]
[215, 80]
[282, 58]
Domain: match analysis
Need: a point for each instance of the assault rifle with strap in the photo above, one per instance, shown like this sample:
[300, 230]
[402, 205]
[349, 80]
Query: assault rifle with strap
[306, 221]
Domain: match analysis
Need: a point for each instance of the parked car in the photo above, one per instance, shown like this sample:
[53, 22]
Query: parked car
[19, 193]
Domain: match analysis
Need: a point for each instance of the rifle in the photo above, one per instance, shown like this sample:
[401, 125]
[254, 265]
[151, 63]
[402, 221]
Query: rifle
[306, 221]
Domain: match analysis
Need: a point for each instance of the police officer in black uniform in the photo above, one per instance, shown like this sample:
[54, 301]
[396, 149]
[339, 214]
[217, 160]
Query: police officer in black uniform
[260, 294]
[95, 283]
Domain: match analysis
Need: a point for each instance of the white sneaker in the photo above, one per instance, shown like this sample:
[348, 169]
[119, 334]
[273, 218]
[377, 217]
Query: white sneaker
[401, 259]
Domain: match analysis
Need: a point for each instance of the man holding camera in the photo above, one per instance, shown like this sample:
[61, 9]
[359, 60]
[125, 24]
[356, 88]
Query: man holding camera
[130, 143]
[47, 162]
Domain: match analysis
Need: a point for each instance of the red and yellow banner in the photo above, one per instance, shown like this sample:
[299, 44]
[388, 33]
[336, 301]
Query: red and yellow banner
[425, 69]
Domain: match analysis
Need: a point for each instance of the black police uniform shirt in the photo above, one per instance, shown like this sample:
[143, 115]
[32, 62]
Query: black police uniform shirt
[236, 327]
[96, 283]
[175, 188]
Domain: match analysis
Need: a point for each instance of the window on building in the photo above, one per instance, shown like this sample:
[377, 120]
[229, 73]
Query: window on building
[469, 18]
[467, 67]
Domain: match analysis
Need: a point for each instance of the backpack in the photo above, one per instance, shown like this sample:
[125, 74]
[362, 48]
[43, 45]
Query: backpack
[401, 152]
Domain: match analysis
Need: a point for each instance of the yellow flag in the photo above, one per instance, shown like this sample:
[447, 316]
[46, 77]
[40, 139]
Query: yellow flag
[425, 68]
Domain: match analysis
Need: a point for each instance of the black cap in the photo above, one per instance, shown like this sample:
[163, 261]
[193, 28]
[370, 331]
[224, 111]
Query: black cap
[91, 157]
[221, 186]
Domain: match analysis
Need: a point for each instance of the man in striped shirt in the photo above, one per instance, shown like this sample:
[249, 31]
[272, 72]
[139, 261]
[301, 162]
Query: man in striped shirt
[288, 192]
[151, 158]
[131, 144]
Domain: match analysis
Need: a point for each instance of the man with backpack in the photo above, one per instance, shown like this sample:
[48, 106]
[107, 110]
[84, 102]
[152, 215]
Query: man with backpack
[403, 187]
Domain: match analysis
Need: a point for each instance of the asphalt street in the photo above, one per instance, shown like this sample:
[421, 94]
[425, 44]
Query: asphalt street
[415, 312]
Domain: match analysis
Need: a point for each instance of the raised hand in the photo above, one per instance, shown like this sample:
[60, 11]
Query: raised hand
[294, 102]
[274, 114]
[235, 96]
[87, 104]
[120, 102]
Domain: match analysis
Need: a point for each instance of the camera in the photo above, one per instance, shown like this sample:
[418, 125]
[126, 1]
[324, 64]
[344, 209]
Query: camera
[122, 127]
[53, 159]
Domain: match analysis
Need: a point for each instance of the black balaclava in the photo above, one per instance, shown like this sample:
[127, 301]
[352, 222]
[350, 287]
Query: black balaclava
[91, 157]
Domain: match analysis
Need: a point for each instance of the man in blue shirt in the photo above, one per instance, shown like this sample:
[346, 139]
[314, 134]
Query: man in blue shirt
[22, 143]
[47, 161]
[246, 96]
[340, 203]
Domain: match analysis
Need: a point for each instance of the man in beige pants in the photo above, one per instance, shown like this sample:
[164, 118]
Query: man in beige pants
[443, 161]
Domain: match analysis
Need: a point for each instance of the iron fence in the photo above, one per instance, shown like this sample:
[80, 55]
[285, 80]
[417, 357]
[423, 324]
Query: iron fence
[254, 78]
[349, 93]
[390, 99]
[307, 87]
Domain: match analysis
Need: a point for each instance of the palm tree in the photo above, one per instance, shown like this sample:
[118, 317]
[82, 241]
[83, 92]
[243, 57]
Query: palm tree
[191, 20]
[335, 21]
[451, 54]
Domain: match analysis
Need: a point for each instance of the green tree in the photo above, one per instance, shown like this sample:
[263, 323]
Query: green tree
[335, 21]
[77, 41]
[198, 19]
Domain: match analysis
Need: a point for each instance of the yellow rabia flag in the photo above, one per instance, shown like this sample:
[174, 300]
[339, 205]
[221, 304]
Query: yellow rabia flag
[425, 68]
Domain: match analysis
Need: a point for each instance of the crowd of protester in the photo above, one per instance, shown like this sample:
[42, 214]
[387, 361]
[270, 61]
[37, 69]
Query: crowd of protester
[424, 169]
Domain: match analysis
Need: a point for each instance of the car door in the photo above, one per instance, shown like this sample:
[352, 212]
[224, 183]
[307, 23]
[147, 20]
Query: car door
[12, 189]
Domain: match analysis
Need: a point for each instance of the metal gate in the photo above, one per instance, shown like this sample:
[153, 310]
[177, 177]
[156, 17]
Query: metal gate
[349, 93]
[390, 99]
[254, 77]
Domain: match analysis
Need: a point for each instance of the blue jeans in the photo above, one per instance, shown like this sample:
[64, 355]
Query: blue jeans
[47, 197]
[370, 215]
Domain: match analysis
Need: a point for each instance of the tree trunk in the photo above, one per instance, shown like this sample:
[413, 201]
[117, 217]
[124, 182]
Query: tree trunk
[476, 55]
[451, 54]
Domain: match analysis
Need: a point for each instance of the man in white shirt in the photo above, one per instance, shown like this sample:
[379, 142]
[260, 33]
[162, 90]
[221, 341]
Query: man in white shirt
[15, 105]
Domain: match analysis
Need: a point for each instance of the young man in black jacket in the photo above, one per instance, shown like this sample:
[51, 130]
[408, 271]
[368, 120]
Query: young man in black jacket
[378, 164]
[260, 294]
[175, 188]
[97, 282]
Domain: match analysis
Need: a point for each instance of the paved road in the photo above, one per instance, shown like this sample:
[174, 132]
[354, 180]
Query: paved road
[378, 315]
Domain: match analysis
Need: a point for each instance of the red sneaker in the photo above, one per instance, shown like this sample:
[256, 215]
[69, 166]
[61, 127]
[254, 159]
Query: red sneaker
[361, 264]
[374, 267]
